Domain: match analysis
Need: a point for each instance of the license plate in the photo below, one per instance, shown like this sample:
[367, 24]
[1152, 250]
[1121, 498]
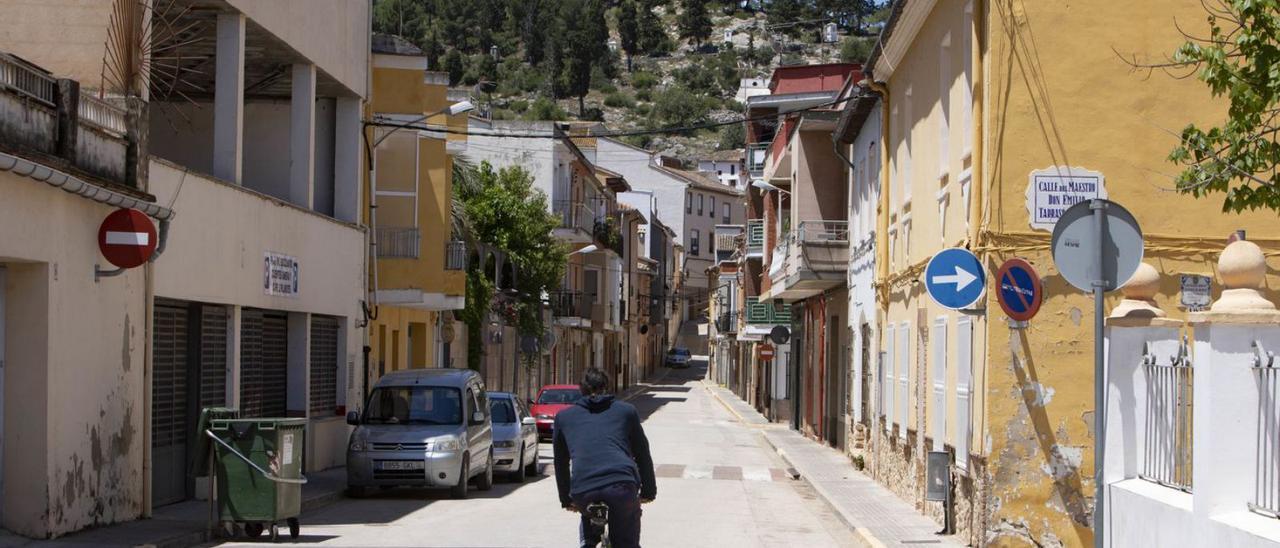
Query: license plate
[401, 465]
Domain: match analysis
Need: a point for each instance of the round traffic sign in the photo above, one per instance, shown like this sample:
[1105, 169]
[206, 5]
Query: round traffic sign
[764, 352]
[127, 238]
[955, 278]
[1077, 246]
[1019, 287]
[780, 334]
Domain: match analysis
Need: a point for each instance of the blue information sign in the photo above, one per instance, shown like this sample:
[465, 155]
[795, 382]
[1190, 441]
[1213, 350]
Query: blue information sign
[955, 278]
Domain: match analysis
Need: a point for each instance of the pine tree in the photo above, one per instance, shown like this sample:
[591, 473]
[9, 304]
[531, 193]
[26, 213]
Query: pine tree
[694, 23]
[651, 35]
[577, 51]
[628, 29]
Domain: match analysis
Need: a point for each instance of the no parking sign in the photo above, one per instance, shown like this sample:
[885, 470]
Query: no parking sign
[1020, 292]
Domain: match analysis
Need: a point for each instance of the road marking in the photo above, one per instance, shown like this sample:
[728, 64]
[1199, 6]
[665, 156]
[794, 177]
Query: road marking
[756, 473]
[720, 472]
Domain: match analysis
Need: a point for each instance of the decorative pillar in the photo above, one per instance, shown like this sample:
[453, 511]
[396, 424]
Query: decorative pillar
[228, 98]
[302, 136]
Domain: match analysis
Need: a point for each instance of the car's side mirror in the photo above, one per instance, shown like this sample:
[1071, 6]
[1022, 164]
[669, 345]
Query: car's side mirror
[353, 418]
[477, 417]
[528, 421]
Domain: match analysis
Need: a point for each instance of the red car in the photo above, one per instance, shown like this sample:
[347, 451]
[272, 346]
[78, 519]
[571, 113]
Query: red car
[551, 400]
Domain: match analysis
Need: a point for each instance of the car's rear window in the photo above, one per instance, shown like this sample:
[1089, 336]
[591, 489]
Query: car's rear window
[559, 395]
[502, 411]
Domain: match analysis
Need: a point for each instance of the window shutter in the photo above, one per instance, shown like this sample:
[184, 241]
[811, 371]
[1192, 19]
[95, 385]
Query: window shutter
[904, 371]
[939, 350]
[887, 377]
[964, 381]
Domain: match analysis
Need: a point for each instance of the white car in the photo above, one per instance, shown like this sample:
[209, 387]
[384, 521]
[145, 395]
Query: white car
[678, 358]
[515, 437]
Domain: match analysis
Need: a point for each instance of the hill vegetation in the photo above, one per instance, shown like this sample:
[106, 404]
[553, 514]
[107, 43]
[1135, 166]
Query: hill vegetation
[635, 64]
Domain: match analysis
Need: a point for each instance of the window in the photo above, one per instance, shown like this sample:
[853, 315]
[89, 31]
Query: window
[724, 213]
[414, 405]
[909, 125]
[939, 351]
[719, 172]
[887, 378]
[966, 53]
[964, 376]
[700, 197]
[733, 169]
[904, 374]
[502, 411]
[688, 202]
[693, 242]
[711, 211]
[641, 235]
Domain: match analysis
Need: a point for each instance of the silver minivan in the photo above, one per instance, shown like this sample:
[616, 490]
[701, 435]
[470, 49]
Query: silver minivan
[422, 428]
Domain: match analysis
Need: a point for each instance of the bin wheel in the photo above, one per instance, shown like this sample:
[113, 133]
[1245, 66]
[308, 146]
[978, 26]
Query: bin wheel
[275, 532]
[253, 529]
[294, 528]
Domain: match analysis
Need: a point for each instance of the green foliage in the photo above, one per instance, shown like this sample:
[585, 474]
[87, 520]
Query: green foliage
[619, 100]
[855, 49]
[628, 29]
[641, 141]
[644, 80]
[642, 110]
[519, 105]
[697, 78]
[693, 23]
[455, 65]
[1240, 58]
[651, 32]
[545, 109]
[507, 213]
[732, 136]
[678, 106]
[479, 295]
[602, 82]
[726, 71]
[644, 95]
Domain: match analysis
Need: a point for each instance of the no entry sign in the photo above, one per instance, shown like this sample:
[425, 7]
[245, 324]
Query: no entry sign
[1020, 291]
[127, 238]
[764, 352]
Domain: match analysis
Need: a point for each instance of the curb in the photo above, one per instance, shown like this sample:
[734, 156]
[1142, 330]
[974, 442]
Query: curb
[725, 404]
[862, 532]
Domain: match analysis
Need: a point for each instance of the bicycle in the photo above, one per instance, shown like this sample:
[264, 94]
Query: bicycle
[598, 517]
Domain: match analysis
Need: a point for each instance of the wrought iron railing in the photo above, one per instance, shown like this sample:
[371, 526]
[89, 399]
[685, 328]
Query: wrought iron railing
[727, 322]
[568, 304]
[574, 215]
[766, 313]
[755, 236]
[1266, 497]
[398, 242]
[823, 231]
[103, 115]
[1168, 432]
[24, 79]
[455, 255]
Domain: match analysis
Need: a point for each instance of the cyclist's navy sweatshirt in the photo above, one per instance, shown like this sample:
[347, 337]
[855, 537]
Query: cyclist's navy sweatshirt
[606, 444]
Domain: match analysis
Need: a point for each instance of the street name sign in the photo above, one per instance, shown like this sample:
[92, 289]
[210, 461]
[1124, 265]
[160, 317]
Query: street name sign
[1052, 190]
[1020, 292]
[954, 278]
[127, 238]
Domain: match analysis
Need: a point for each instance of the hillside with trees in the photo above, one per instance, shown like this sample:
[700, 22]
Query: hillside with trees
[634, 64]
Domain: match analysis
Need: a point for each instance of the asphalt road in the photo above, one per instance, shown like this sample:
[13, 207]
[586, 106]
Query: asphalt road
[719, 484]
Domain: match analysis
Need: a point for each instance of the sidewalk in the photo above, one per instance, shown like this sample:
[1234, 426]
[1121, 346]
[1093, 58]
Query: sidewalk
[875, 513]
[184, 523]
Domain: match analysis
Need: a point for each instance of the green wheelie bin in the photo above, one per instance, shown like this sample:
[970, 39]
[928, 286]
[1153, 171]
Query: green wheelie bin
[258, 472]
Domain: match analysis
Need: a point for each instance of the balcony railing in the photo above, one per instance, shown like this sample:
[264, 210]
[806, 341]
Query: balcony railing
[766, 313]
[568, 304]
[1169, 425]
[455, 255]
[1266, 496]
[756, 153]
[574, 215]
[28, 81]
[727, 322]
[823, 231]
[398, 242]
[607, 231]
[103, 115]
[755, 236]
[726, 241]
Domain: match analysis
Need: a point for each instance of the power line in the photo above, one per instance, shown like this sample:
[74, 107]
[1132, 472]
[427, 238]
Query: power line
[556, 134]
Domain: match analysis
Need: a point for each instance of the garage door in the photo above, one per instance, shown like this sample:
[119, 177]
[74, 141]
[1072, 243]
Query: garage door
[324, 365]
[264, 363]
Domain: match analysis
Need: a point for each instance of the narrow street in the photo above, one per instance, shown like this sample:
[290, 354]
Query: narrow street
[719, 484]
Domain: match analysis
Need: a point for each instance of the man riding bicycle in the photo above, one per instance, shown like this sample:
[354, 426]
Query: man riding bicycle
[603, 441]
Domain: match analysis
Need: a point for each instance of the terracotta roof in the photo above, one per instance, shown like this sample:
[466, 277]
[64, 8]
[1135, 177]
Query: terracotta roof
[700, 180]
[725, 155]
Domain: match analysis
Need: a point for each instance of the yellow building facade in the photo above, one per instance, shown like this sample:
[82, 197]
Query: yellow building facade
[983, 100]
[418, 277]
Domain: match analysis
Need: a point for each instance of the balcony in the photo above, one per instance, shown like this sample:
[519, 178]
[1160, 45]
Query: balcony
[398, 242]
[577, 222]
[569, 308]
[766, 313]
[726, 242]
[606, 231]
[455, 255]
[727, 323]
[810, 260]
[51, 117]
[755, 238]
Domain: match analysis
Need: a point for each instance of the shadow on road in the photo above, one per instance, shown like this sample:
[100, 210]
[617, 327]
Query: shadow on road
[388, 505]
[665, 390]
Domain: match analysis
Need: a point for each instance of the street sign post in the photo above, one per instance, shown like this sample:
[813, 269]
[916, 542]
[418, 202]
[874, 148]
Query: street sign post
[1097, 246]
[955, 278]
[1020, 292]
[764, 352]
[127, 238]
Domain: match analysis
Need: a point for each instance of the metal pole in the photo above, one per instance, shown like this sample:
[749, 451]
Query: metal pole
[1099, 379]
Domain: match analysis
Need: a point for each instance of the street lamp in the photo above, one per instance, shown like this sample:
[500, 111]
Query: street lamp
[766, 186]
[588, 249]
[452, 110]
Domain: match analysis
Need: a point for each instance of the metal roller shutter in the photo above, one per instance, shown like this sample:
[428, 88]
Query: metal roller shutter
[324, 365]
[169, 402]
[264, 363]
[213, 356]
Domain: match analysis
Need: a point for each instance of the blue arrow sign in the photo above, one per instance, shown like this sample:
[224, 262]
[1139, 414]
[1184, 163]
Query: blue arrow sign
[954, 278]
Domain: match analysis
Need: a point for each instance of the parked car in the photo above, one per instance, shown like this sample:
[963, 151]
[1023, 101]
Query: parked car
[551, 400]
[422, 428]
[515, 436]
[678, 358]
